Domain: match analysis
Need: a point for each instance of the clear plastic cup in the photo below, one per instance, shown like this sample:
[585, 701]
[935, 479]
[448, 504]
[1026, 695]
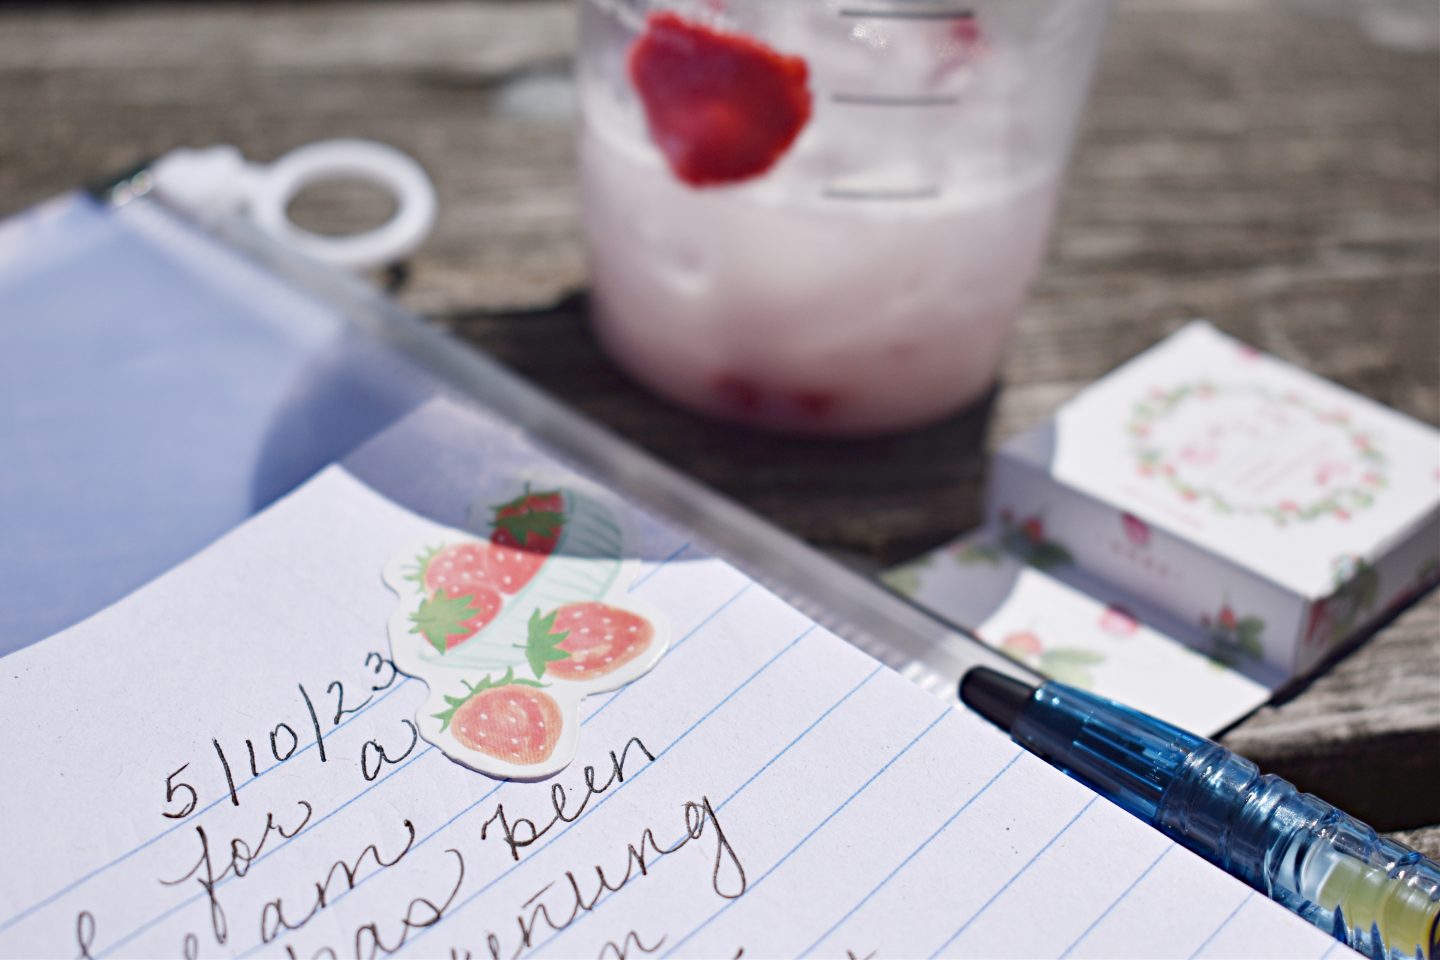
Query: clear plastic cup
[868, 280]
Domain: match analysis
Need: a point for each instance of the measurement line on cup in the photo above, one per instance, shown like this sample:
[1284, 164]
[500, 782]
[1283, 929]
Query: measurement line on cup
[883, 100]
[919, 193]
[871, 13]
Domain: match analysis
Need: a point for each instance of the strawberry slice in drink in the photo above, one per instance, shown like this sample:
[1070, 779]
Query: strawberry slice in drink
[722, 107]
[526, 531]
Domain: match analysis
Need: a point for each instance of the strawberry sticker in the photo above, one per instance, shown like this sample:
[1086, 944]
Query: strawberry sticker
[454, 571]
[459, 599]
[721, 107]
[510, 634]
[526, 530]
[511, 720]
[449, 620]
[588, 639]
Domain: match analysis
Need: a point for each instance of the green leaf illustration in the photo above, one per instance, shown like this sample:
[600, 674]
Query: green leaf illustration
[1073, 656]
[441, 617]
[543, 642]
[1367, 587]
[444, 716]
[903, 580]
[416, 573]
[1048, 555]
[1070, 665]
[972, 554]
[1247, 636]
[541, 523]
[517, 518]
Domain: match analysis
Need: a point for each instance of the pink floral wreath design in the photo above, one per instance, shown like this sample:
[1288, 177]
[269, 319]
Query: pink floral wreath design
[1340, 503]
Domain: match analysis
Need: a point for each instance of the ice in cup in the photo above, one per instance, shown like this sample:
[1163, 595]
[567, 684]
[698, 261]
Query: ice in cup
[822, 216]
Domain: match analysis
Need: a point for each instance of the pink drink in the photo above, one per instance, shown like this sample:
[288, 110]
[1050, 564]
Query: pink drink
[868, 281]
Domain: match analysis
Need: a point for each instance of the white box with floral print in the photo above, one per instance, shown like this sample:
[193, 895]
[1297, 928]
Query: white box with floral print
[1278, 514]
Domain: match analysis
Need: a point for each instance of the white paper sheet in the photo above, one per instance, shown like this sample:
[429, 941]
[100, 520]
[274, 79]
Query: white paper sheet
[766, 789]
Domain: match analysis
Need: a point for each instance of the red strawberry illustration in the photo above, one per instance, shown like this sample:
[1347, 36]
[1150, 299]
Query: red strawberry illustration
[511, 720]
[1227, 618]
[1118, 621]
[1136, 531]
[1034, 530]
[526, 531]
[456, 569]
[587, 639]
[459, 600]
[722, 107]
[1319, 625]
[1022, 644]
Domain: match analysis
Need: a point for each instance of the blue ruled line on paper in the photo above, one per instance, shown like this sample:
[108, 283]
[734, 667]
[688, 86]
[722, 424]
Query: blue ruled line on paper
[914, 853]
[1016, 876]
[948, 711]
[606, 799]
[723, 803]
[658, 567]
[72, 885]
[1223, 924]
[1117, 901]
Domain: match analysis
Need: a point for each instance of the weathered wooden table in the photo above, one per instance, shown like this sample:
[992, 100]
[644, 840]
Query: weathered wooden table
[1273, 165]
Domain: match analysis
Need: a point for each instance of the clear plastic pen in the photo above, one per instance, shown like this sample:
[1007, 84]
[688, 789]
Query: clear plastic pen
[1377, 896]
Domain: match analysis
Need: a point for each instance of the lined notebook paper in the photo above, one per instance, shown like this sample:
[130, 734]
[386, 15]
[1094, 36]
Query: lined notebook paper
[767, 790]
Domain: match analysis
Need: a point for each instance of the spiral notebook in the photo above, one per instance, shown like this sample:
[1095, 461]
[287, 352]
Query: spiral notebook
[227, 761]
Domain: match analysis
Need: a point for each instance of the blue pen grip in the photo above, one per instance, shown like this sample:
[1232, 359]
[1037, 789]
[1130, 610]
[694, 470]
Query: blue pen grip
[1376, 895]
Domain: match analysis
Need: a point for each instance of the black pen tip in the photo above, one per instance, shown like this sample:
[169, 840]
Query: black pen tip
[995, 696]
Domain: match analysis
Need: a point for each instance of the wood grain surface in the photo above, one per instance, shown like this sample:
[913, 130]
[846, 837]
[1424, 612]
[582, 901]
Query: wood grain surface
[1273, 165]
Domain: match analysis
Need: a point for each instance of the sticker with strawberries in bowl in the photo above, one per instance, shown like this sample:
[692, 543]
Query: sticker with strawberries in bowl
[513, 626]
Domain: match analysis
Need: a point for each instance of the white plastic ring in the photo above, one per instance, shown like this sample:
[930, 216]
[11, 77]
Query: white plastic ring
[274, 187]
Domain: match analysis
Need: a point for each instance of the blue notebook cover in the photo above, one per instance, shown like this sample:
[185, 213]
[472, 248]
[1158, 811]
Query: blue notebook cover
[156, 388]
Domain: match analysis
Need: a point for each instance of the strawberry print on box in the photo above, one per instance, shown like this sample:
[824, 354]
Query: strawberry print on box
[511, 631]
[1026, 538]
[1043, 619]
[1234, 638]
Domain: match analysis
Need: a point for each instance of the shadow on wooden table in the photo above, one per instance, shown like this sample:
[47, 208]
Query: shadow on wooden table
[884, 499]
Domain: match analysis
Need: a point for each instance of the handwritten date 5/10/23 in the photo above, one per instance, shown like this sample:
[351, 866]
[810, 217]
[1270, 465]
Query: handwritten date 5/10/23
[304, 732]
